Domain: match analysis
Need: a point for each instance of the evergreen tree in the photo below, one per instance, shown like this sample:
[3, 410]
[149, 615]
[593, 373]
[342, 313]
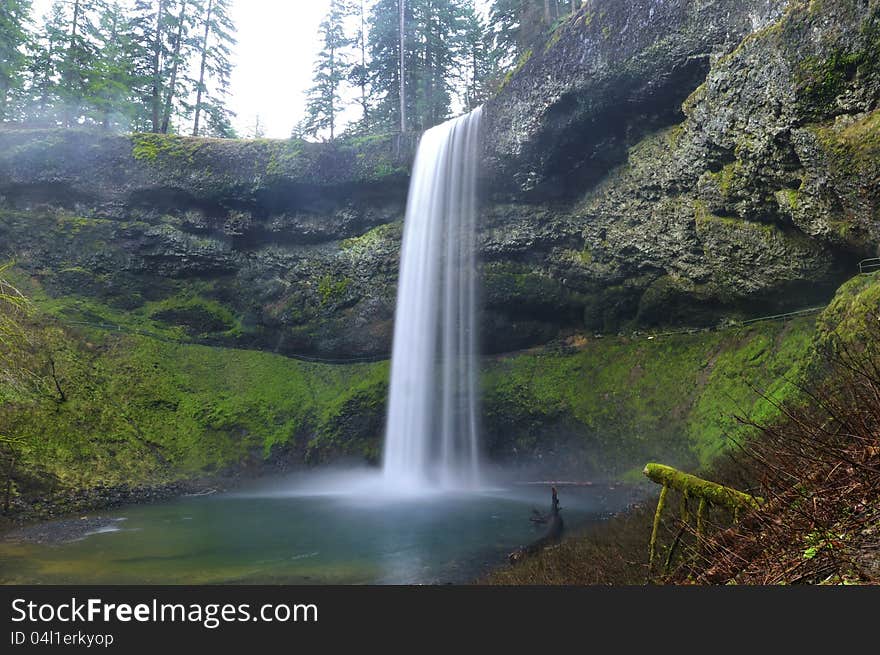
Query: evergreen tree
[179, 51]
[518, 26]
[359, 72]
[441, 35]
[332, 68]
[78, 61]
[481, 65]
[113, 90]
[437, 55]
[384, 66]
[215, 49]
[14, 38]
[45, 63]
[154, 25]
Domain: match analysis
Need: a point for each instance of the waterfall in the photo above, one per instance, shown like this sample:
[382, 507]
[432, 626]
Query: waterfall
[431, 435]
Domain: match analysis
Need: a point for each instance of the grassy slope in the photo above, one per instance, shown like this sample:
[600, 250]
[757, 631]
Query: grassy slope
[142, 410]
[673, 398]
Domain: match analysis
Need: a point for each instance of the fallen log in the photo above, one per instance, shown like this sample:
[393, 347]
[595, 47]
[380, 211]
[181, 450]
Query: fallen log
[690, 486]
[694, 487]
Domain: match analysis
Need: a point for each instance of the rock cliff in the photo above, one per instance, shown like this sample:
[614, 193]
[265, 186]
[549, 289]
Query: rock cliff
[657, 162]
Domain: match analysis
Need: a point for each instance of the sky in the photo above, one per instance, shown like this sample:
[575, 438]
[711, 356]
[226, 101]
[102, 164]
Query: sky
[277, 44]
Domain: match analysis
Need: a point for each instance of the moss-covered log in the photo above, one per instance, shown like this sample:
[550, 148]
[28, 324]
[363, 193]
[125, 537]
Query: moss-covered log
[711, 492]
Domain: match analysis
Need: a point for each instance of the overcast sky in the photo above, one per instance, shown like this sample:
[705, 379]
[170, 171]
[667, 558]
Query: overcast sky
[277, 44]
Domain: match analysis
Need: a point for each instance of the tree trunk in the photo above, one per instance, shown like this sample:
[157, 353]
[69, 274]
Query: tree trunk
[68, 74]
[169, 96]
[402, 5]
[202, 70]
[548, 17]
[105, 123]
[8, 499]
[332, 92]
[157, 66]
[363, 77]
[4, 91]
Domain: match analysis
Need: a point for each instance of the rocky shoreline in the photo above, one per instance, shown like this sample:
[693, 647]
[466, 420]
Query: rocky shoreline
[63, 516]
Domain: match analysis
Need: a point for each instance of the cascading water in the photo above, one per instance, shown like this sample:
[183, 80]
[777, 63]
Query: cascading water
[431, 438]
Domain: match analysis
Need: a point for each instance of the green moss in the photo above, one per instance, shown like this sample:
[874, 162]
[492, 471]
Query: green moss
[142, 410]
[854, 146]
[555, 37]
[691, 101]
[513, 284]
[759, 361]
[853, 313]
[152, 148]
[520, 63]
[196, 315]
[788, 199]
[734, 228]
[631, 401]
[825, 78]
[371, 239]
[331, 290]
[726, 178]
[284, 156]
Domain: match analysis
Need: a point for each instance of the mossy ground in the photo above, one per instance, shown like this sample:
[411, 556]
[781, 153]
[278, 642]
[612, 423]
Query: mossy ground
[628, 400]
[144, 410]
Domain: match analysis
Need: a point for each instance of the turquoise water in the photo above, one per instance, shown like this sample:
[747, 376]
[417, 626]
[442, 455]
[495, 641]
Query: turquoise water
[283, 535]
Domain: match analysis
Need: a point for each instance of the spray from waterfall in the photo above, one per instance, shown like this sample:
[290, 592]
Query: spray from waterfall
[431, 438]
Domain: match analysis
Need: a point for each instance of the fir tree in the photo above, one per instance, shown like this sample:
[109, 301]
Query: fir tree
[45, 64]
[332, 68]
[78, 62]
[113, 90]
[14, 38]
[359, 72]
[214, 48]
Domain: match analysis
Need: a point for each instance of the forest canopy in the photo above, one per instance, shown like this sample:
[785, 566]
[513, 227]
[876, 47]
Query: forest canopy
[164, 66]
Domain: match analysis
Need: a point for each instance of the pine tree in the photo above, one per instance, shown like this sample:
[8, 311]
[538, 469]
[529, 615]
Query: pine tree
[113, 90]
[384, 67]
[332, 68]
[359, 72]
[442, 33]
[45, 63]
[480, 62]
[14, 38]
[179, 55]
[215, 49]
[518, 26]
[154, 22]
[436, 55]
[78, 60]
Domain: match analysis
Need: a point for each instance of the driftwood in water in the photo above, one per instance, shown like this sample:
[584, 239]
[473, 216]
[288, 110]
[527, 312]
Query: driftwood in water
[550, 537]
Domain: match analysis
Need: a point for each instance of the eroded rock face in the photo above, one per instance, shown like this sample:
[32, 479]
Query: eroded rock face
[612, 73]
[762, 198]
[297, 242]
[658, 162]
